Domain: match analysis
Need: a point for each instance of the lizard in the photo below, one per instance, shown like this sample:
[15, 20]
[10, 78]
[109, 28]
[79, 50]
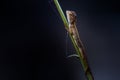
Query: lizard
[72, 29]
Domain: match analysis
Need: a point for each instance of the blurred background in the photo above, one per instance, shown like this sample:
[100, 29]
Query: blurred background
[33, 38]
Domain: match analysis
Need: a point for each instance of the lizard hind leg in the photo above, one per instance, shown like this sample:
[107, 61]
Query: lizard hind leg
[73, 55]
[67, 53]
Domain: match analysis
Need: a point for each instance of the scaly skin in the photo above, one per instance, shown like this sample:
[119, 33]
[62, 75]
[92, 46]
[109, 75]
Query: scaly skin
[71, 17]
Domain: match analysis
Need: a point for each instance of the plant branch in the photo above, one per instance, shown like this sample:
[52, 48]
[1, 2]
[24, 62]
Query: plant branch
[78, 51]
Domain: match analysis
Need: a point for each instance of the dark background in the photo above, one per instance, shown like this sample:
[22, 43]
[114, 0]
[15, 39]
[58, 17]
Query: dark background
[32, 40]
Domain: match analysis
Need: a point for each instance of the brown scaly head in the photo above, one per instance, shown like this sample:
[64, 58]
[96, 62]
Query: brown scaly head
[71, 16]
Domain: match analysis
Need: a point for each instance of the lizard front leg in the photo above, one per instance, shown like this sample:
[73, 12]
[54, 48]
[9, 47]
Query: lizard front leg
[70, 30]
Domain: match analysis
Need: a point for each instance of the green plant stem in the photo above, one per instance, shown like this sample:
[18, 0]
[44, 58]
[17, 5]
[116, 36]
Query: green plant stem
[83, 61]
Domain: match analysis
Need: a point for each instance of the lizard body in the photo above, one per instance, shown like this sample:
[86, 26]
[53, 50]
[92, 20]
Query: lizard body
[72, 29]
[71, 17]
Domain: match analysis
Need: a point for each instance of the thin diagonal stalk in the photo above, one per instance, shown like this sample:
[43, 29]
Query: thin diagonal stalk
[83, 61]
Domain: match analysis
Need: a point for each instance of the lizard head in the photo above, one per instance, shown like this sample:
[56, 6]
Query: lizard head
[71, 16]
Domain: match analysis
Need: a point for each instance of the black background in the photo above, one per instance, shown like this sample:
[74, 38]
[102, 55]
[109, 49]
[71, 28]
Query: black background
[32, 40]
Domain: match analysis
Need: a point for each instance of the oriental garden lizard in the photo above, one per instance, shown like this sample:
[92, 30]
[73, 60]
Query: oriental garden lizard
[72, 29]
